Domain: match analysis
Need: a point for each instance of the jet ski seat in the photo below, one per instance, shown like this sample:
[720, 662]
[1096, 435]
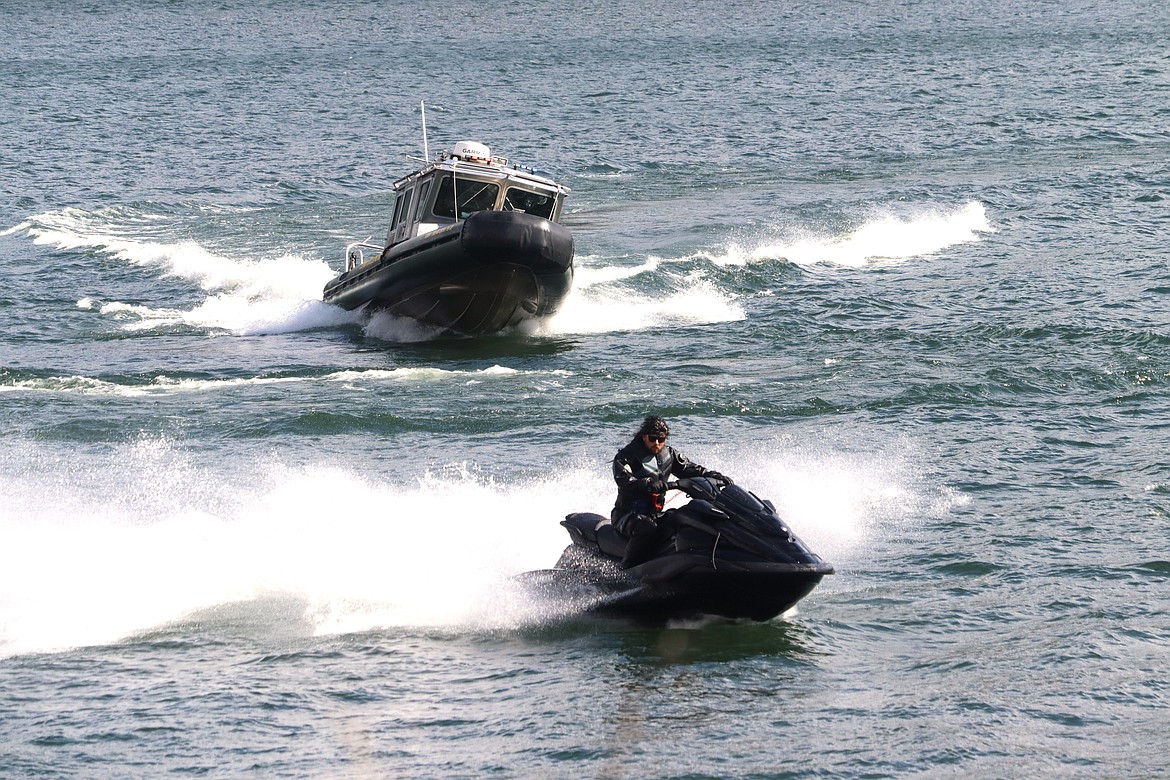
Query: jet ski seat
[590, 529]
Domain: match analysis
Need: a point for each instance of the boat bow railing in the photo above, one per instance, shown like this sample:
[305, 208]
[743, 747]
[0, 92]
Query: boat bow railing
[355, 253]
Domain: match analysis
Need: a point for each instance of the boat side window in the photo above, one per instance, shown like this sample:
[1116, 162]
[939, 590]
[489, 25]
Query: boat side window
[398, 226]
[397, 211]
[423, 190]
[470, 194]
[405, 214]
[536, 203]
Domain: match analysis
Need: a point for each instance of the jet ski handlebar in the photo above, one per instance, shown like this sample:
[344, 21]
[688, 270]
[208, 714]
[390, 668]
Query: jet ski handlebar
[706, 487]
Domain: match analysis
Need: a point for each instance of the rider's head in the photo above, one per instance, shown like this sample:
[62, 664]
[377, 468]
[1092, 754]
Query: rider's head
[654, 431]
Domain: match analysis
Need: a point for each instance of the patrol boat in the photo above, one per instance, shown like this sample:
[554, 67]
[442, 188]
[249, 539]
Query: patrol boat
[474, 247]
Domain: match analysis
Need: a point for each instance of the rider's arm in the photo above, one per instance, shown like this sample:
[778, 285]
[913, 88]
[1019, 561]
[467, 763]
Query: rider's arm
[684, 467]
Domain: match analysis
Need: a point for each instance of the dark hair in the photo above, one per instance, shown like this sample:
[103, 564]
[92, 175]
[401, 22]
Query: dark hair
[654, 424]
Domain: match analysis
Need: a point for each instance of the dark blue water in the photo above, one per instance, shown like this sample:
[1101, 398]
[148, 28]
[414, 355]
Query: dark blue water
[901, 268]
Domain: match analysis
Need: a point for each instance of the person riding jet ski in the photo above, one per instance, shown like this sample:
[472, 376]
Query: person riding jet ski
[641, 470]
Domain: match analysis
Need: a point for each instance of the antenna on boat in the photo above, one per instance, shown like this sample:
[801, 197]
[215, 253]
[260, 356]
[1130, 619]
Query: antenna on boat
[426, 149]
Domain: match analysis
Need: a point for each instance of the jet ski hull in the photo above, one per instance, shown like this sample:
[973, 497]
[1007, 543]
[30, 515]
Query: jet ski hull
[490, 272]
[695, 589]
[728, 555]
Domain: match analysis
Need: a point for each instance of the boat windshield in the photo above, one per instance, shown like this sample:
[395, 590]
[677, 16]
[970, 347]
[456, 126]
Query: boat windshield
[471, 196]
[539, 204]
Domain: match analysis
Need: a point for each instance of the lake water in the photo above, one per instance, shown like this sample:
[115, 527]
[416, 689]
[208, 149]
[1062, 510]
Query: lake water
[900, 267]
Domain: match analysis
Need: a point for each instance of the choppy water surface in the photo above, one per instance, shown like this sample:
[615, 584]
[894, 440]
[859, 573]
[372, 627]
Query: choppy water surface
[900, 268]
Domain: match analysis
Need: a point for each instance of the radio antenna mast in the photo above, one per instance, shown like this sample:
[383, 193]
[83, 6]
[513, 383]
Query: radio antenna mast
[426, 149]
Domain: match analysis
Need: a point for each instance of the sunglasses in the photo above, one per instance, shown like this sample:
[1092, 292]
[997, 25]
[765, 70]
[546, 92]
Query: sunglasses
[655, 437]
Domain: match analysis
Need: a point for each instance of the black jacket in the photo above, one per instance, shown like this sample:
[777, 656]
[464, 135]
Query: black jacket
[635, 469]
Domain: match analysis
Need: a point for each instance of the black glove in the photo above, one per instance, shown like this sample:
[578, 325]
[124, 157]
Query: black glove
[715, 475]
[657, 487]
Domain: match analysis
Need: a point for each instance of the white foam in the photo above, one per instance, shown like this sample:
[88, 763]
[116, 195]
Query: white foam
[385, 326]
[152, 539]
[247, 295]
[840, 495]
[587, 274]
[606, 299]
[881, 239]
[606, 309]
[163, 385]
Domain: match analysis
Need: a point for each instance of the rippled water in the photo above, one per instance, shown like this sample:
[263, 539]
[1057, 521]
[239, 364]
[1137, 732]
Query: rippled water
[900, 268]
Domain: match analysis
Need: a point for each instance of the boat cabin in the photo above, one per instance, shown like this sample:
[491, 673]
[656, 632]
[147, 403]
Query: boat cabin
[465, 180]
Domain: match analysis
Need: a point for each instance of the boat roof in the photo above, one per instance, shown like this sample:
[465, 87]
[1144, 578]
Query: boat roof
[490, 167]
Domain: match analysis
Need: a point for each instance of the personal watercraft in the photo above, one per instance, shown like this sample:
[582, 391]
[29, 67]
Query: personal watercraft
[725, 553]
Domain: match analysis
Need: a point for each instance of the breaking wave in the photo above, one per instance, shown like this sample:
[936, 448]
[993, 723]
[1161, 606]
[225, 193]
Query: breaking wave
[882, 239]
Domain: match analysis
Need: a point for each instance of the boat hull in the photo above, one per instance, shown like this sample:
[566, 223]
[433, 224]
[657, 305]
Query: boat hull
[490, 272]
